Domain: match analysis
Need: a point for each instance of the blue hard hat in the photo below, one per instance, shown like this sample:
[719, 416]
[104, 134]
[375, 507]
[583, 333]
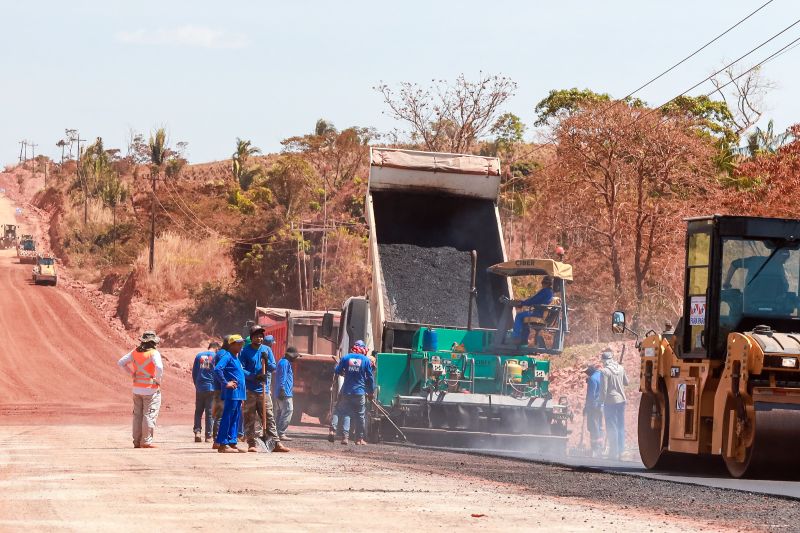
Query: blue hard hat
[269, 338]
[360, 344]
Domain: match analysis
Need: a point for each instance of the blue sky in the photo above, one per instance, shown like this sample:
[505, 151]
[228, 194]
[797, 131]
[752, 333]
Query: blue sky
[212, 71]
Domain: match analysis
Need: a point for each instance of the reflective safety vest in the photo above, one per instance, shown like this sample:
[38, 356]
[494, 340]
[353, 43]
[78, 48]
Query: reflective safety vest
[144, 374]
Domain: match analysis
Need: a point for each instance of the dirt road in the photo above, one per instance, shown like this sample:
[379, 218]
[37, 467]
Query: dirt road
[58, 357]
[102, 484]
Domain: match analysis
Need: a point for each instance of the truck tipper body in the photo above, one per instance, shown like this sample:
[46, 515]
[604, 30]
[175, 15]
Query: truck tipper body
[424, 209]
[313, 371]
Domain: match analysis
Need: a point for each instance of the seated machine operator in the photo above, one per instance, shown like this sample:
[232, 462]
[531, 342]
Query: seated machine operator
[765, 287]
[521, 331]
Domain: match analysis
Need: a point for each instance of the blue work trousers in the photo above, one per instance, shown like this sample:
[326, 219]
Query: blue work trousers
[615, 428]
[351, 406]
[522, 331]
[284, 407]
[229, 424]
[203, 402]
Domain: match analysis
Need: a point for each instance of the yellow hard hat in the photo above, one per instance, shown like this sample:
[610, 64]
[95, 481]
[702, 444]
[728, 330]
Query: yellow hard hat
[235, 339]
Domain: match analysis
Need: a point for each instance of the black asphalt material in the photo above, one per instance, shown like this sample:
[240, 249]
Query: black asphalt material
[427, 285]
[662, 499]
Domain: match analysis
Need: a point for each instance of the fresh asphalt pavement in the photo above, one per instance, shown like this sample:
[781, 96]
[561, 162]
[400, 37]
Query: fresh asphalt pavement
[710, 475]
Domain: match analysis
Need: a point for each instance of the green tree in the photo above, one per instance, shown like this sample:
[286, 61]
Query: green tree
[509, 131]
[113, 192]
[292, 181]
[560, 103]
[243, 173]
[159, 152]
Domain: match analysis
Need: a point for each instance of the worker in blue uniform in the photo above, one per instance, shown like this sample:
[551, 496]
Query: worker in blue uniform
[203, 379]
[593, 409]
[258, 362]
[230, 374]
[545, 295]
[359, 381]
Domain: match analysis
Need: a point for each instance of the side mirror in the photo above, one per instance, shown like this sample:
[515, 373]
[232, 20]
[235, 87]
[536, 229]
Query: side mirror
[618, 322]
[327, 326]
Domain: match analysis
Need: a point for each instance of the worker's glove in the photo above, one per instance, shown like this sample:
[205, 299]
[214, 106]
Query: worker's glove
[261, 378]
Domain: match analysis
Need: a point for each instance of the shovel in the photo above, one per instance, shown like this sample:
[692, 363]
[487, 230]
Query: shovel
[384, 413]
[264, 444]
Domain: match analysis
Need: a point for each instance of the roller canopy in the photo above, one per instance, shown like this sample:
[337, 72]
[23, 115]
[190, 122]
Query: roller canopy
[533, 267]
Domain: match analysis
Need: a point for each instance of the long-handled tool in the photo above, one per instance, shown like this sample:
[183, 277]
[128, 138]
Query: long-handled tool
[384, 413]
[264, 444]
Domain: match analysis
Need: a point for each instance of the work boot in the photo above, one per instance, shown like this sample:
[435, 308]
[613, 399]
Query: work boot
[252, 448]
[285, 438]
[345, 442]
[236, 448]
[137, 445]
[208, 439]
[331, 436]
[197, 437]
[361, 442]
[280, 447]
[215, 446]
[149, 446]
[226, 449]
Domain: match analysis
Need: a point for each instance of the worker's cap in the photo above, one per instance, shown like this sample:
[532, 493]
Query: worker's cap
[783, 253]
[606, 355]
[360, 344]
[547, 280]
[149, 336]
[213, 345]
[269, 338]
[590, 369]
[235, 339]
[255, 328]
[291, 353]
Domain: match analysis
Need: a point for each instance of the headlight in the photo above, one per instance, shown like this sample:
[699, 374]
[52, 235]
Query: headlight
[789, 362]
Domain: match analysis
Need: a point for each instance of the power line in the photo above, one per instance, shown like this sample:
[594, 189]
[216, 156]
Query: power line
[673, 67]
[780, 51]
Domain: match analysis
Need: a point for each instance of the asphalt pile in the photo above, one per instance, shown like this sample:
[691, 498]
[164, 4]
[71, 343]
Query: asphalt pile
[427, 285]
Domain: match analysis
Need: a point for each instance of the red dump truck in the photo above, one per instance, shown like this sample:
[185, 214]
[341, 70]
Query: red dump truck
[313, 371]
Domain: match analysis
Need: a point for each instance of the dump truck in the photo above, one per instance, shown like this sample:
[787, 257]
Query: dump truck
[439, 271]
[45, 271]
[313, 371]
[8, 238]
[726, 382]
[26, 249]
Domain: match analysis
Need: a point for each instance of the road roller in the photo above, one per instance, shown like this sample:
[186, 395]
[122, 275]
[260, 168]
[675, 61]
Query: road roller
[725, 382]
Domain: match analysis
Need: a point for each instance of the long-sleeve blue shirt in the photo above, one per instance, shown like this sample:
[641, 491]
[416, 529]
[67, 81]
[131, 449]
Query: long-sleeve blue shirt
[357, 371]
[229, 368]
[203, 372]
[543, 297]
[284, 379]
[251, 362]
[593, 389]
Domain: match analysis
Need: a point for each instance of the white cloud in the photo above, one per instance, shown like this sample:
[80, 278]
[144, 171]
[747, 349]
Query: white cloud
[187, 35]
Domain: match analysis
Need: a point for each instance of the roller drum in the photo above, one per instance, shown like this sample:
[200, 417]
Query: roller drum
[774, 453]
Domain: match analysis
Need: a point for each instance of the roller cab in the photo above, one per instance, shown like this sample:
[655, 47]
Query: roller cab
[726, 381]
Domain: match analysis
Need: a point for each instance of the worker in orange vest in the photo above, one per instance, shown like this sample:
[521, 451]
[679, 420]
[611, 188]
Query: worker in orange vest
[145, 367]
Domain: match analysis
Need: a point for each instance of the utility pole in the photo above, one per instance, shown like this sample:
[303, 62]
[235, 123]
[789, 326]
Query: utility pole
[82, 178]
[33, 156]
[21, 148]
